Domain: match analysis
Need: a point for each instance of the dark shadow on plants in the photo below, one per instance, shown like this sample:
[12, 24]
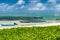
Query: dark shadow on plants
[58, 38]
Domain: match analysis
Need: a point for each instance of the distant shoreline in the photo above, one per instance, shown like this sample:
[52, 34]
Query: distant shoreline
[42, 24]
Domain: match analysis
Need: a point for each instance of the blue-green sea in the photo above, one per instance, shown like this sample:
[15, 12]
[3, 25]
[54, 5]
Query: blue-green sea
[45, 16]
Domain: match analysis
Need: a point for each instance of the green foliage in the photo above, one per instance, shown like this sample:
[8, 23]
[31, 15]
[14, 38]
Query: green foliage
[31, 33]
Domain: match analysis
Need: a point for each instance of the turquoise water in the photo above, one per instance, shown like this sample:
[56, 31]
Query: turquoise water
[45, 16]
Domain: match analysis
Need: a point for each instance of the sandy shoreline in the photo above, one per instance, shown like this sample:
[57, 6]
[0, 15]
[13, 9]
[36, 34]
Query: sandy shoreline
[30, 25]
[41, 24]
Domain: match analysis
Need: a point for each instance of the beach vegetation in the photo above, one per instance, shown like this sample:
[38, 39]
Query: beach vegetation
[31, 33]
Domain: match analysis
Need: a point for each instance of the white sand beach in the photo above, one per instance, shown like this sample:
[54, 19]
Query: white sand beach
[42, 24]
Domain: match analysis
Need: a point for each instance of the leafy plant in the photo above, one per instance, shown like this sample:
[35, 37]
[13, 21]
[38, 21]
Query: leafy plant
[31, 33]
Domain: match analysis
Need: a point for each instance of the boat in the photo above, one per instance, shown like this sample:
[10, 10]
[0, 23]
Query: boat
[14, 24]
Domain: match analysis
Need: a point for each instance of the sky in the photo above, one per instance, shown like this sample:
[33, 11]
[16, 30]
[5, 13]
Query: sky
[29, 7]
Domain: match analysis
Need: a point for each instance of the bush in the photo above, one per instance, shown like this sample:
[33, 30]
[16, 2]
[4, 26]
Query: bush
[32, 33]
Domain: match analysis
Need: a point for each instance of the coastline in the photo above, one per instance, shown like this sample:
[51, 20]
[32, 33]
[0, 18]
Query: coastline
[42, 24]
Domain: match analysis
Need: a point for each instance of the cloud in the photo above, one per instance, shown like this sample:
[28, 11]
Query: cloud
[10, 7]
[22, 6]
[33, 9]
[52, 1]
[7, 7]
[20, 2]
[57, 6]
[35, 6]
[56, 14]
[3, 6]
[38, 6]
[34, 1]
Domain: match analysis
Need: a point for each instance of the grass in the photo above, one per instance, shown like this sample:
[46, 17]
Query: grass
[32, 33]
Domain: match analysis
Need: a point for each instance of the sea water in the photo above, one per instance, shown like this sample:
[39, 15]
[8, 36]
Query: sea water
[46, 16]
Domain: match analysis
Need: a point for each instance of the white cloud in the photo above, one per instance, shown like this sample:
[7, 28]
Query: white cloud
[22, 6]
[56, 14]
[3, 7]
[57, 7]
[10, 8]
[20, 2]
[6, 7]
[38, 6]
[34, 1]
[52, 1]
[33, 9]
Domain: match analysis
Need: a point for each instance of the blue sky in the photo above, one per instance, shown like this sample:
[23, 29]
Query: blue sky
[29, 7]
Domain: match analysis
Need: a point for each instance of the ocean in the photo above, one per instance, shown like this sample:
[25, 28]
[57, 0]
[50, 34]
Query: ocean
[47, 16]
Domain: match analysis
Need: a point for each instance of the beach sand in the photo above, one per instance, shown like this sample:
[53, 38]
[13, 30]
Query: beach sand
[42, 24]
